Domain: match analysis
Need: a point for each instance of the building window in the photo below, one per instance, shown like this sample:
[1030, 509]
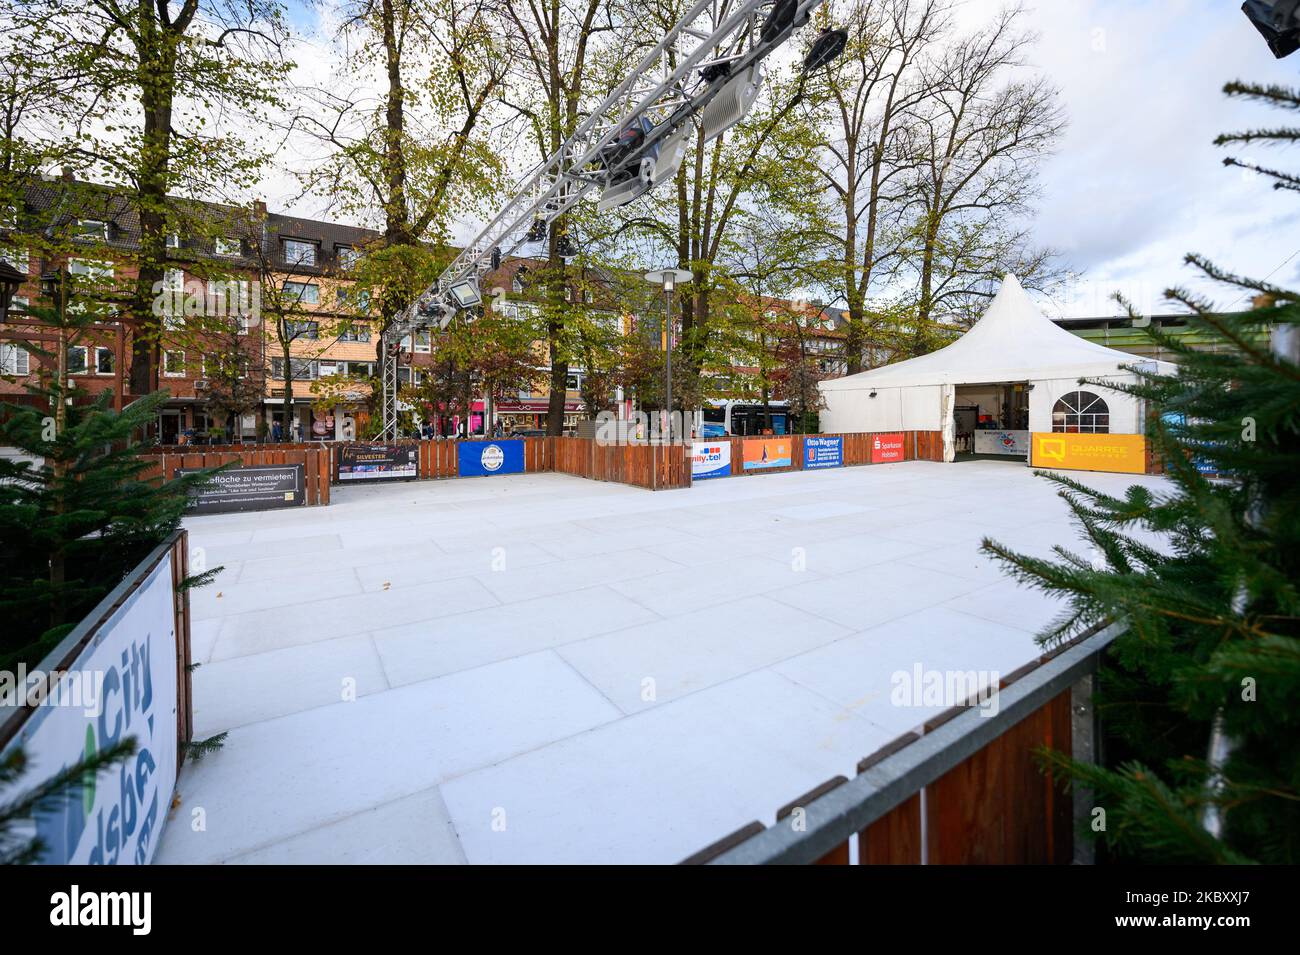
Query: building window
[15, 257]
[347, 256]
[103, 361]
[174, 364]
[304, 292]
[423, 342]
[173, 307]
[302, 369]
[18, 304]
[227, 246]
[14, 360]
[296, 330]
[92, 229]
[355, 333]
[77, 360]
[348, 302]
[173, 240]
[298, 252]
[1081, 412]
[90, 268]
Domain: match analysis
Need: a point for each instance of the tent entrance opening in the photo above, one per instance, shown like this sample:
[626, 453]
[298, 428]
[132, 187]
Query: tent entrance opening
[991, 421]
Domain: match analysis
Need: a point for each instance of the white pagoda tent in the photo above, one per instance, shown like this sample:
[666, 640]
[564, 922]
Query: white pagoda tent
[1012, 358]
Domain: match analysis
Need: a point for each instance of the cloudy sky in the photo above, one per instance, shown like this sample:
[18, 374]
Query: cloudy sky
[1136, 183]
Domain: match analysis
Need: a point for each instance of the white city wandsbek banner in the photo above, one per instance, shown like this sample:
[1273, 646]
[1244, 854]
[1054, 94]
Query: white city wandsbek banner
[118, 818]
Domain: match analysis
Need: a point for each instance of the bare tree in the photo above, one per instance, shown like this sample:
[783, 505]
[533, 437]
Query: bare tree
[866, 101]
[406, 123]
[980, 137]
[560, 52]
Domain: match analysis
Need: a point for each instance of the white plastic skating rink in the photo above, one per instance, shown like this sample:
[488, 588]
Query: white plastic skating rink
[541, 668]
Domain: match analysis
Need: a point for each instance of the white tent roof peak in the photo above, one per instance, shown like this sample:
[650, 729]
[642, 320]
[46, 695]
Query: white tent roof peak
[1012, 341]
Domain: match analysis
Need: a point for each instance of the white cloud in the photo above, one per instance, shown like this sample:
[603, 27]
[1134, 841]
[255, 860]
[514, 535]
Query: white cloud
[1137, 182]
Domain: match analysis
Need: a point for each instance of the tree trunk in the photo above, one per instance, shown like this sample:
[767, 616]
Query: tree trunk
[156, 79]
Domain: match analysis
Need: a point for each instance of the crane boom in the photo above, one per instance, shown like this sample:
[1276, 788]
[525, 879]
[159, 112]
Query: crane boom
[713, 53]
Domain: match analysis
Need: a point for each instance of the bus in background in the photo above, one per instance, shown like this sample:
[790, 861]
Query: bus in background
[730, 417]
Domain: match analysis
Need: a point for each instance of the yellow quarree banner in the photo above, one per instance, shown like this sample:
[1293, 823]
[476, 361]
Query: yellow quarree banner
[1124, 453]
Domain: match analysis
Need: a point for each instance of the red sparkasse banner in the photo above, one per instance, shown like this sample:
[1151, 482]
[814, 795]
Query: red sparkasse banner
[886, 447]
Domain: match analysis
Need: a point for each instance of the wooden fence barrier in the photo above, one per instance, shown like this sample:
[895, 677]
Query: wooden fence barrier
[318, 472]
[653, 466]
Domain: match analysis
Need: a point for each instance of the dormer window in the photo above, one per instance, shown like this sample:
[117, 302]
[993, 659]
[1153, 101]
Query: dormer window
[299, 252]
[173, 240]
[347, 256]
[92, 229]
[227, 246]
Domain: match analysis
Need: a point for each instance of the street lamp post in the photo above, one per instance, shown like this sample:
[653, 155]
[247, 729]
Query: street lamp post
[668, 280]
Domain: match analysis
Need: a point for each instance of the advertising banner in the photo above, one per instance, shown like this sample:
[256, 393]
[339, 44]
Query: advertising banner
[123, 684]
[378, 462]
[1177, 419]
[479, 458]
[249, 489]
[768, 453]
[710, 460]
[1124, 453]
[887, 447]
[822, 453]
[1002, 442]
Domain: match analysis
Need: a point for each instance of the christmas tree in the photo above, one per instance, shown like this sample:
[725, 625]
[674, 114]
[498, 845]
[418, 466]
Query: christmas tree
[1198, 697]
[75, 516]
[75, 519]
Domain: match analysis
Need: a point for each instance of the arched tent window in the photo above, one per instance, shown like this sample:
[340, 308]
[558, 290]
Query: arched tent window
[1081, 412]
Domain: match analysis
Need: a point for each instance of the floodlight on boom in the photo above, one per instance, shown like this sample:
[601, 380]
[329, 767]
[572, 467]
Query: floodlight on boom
[465, 293]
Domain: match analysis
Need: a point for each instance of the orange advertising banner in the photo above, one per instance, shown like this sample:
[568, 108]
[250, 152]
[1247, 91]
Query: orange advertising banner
[1123, 453]
[768, 453]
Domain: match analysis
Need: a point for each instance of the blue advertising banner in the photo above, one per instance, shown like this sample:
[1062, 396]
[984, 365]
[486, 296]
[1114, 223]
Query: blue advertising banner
[823, 453]
[1176, 420]
[479, 458]
[710, 459]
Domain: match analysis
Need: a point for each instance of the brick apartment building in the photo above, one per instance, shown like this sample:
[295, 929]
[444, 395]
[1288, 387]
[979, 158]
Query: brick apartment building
[229, 267]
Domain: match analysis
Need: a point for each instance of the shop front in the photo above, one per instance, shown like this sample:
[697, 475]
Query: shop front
[532, 414]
